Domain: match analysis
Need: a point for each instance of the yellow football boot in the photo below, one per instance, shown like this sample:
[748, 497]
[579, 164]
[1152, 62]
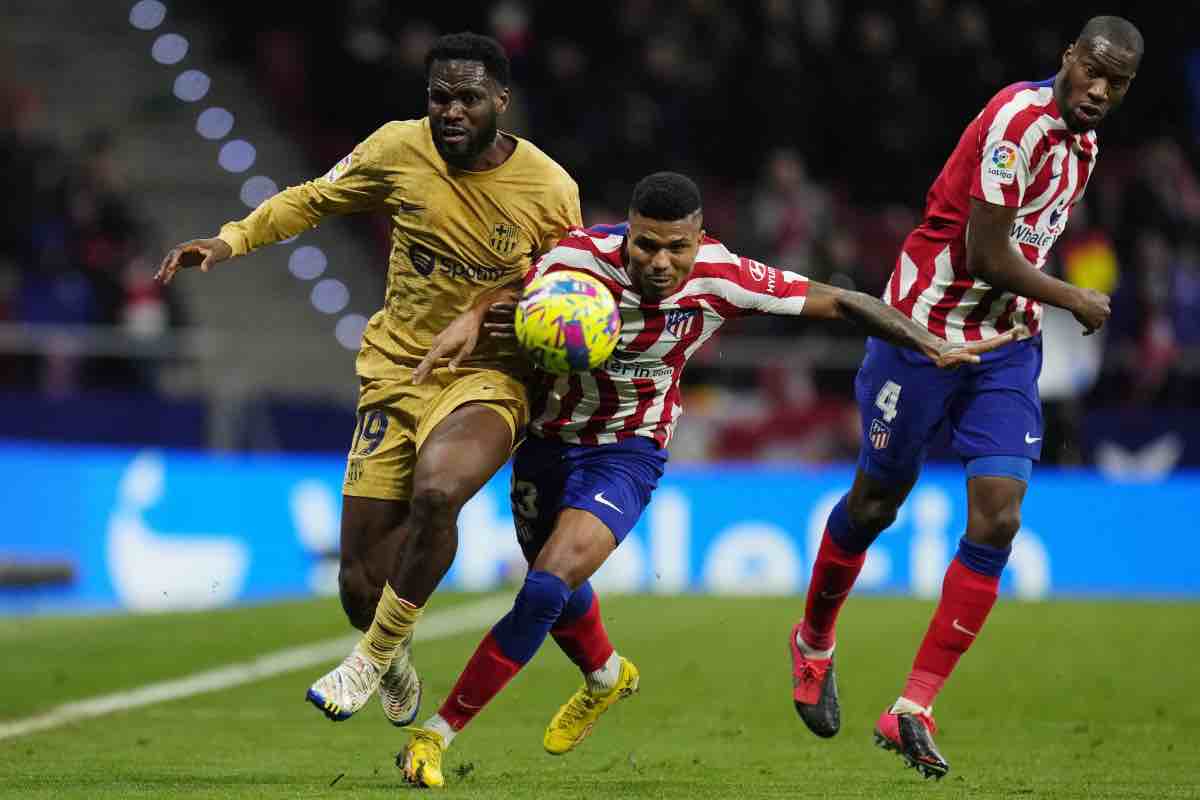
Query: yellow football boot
[575, 720]
[421, 758]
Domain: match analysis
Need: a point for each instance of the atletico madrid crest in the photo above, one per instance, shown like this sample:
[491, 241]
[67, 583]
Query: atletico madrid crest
[680, 321]
[880, 434]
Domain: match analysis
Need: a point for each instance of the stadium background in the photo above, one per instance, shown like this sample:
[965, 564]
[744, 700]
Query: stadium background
[200, 428]
[180, 451]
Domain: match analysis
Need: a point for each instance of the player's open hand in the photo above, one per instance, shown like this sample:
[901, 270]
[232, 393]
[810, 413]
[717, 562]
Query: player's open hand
[947, 355]
[202, 253]
[499, 321]
[456, 342]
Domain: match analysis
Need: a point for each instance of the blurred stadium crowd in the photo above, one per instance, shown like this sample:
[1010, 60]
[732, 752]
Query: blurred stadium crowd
[815, 127]
[75, 249]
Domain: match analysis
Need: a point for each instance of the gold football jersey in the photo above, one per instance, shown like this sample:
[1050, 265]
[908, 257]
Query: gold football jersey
[455, 234]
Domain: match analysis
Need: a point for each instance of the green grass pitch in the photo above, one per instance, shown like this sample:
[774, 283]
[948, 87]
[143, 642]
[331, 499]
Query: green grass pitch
[1067, 699]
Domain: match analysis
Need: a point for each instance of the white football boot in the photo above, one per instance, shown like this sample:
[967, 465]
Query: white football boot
[346, 688]
[400, 688]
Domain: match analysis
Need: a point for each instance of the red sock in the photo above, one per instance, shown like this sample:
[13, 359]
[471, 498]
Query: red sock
[967, 597]
[482, 679]
[833, 576]
[584, 640]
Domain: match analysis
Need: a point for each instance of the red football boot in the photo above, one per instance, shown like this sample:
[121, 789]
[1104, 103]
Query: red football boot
[814, 691]
[911, 737]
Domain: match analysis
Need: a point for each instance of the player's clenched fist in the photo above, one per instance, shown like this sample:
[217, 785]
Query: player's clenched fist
[1091, 309]
[202, 253]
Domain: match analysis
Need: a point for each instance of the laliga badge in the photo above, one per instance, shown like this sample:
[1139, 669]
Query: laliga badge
[339, 168]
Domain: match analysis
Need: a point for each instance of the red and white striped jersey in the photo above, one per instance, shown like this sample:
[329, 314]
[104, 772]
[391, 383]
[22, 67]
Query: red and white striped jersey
[1019, 153]
[636, 392]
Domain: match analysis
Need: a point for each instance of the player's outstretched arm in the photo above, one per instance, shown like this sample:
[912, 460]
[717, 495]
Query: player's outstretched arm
[878, 319]
[992, 257]
[461, 336]
[202, 253]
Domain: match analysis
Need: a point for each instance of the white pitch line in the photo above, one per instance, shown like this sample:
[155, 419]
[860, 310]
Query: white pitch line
[438, 625]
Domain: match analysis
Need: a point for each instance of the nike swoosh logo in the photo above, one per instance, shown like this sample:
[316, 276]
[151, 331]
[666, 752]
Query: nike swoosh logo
[834, 595]
[961, 629]
[1055, 175]
[600, 498]
[1032, 439]
[465, 704]
[405, 206]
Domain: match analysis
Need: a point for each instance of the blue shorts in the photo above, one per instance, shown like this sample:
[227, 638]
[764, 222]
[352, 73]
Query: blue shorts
[992, 408]
[612, 481]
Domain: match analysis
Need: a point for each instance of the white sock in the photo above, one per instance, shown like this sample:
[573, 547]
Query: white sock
[811, 652]
[441, 727]
[905, 706]
[604, 679]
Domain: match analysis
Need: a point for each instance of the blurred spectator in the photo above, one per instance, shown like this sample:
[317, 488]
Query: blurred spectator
[1164, 193]
[1156, 338]
[1087, 257]
[99, 223]
[790, 213]
[33, 165]
[78, 256]
[796, 423]
[509, 22]
[1087, 253]
[1192, 66]
[568, 73]
[1184, 294]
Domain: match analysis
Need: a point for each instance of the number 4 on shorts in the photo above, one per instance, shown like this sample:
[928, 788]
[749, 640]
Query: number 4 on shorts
[888, 400]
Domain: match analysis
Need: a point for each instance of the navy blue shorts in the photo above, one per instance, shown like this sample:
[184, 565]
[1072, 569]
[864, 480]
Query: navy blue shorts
[612, 481]
[993, 408]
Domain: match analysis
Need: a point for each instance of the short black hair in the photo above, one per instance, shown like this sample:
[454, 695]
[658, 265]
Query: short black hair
[1118, 30]
[467, 46]
[666, 196]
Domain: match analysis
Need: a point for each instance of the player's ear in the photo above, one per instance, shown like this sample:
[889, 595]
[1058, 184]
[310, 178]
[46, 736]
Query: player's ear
[1068, 55]
[502, 98]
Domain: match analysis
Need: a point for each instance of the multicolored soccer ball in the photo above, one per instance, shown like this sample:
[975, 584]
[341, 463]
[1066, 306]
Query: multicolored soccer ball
[568, 322]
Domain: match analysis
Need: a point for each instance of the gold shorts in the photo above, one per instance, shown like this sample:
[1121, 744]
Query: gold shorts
[395, 417]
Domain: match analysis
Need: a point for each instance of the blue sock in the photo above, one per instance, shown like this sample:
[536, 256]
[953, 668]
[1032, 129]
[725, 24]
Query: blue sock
[577, 604]
[843, 532]
[538, 606]
[982, 558]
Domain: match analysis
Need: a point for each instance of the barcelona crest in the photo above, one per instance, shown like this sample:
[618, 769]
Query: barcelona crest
[504, 237]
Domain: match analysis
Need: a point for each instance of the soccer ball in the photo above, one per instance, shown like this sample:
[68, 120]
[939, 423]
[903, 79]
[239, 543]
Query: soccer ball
[567, 322]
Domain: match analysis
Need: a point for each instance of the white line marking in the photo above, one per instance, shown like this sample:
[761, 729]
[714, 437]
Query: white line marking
[438, 625]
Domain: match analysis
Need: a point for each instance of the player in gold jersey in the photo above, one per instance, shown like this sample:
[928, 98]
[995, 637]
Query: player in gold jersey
[471, 207]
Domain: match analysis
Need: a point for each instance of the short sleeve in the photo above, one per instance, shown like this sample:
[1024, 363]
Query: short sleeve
[770, 290]
[564, 215]
[1006, 145]
[564, 254]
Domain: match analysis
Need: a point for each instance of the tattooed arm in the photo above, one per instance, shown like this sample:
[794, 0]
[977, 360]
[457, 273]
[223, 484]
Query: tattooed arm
[878, 319]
